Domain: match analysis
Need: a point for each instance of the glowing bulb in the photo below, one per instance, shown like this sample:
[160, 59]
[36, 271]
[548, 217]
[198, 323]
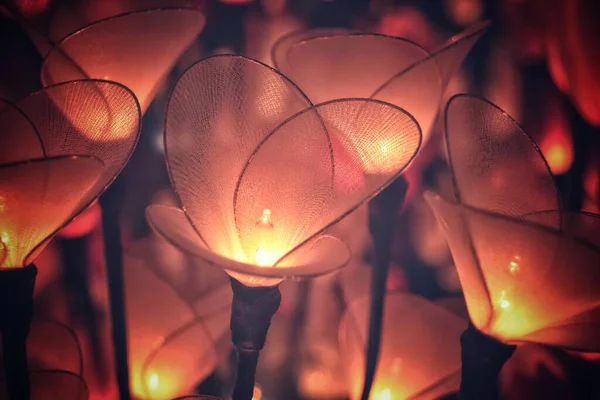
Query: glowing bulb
[513, 266]
[257, 393]
[264, 232]
[504, 304]
[385, 394]
[153, 381]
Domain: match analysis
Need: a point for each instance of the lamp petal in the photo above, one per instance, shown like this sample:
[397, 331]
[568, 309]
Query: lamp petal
[136, 49]
[94, 117]
[294, 173]
[539, 282]
[19, 140]
[495, 165]
[39, 196]
[420, 362]
[221, 109]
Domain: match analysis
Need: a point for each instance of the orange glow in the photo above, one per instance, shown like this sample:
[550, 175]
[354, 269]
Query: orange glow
[265, 255]
[158, 385]
[382, 158]
[557, 146]
[257, 394]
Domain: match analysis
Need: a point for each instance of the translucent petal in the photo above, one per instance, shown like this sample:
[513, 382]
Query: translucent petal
[219, 112]
[323, 255]
[37, 197]
[524, 280]
[297, 172]
[420, 350]
[495, 165]
[19, 139]
[136, 49]
[332, 64]
[169, 354]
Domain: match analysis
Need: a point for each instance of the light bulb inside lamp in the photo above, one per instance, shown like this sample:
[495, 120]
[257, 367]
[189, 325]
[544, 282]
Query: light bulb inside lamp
[264, 255]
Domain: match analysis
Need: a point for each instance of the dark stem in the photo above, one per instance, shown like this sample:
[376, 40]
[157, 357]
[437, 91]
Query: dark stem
[382, 210]
[251, 314]
[482, 359]
[16, 312]
[111, 202]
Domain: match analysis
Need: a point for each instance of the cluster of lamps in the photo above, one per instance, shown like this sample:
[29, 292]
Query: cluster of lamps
[263, 162]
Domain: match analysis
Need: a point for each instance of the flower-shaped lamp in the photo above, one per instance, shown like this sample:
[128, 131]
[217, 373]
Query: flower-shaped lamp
[420, 352]
[333, 64]
[41, 195]
[136, 48]
[260, 174]
[171, 353]
[529, 271]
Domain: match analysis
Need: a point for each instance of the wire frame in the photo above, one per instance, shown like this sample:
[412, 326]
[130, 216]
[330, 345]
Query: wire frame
[137, 49]
[72, 17]
[528, 270]
[55, 362]
[18, 138]
[495, 165]
[335, 64]
[524, 281]
[171, 353]
[94, 117]
[39, 196]
[242, 140]
[420, 351]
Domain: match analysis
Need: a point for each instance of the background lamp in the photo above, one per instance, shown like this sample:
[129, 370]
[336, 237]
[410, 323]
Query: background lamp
[417, 363]
[334, 64]
[515, 249]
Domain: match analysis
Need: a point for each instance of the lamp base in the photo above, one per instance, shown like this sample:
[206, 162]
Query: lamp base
[16, 312]
[251, 314]
[482, 359]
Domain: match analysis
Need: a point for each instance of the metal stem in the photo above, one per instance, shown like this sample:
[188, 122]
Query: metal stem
[16, 312]
[111, 202]
[251, 314]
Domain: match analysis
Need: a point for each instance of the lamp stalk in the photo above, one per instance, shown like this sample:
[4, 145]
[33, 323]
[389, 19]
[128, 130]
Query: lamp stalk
[482, 359]
[381, 225]
[251, 314]
[110, 202]
[16, 312]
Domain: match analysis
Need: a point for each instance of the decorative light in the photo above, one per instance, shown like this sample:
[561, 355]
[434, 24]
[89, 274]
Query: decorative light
[226, 178]
[41, 195]
[171, 353]
[529, 271]
[136, 48]
[336, 63]
[420, 362]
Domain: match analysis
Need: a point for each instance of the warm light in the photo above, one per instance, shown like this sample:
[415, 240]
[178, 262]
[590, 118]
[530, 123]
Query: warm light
[264, 256]
[557, 147]
[385, 394]
[503, 302]
[257, 394]
[513, 266]
[382, 158]
[153, 382]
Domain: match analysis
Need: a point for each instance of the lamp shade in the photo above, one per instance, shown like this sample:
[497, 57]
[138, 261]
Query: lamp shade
[529, 270]
[260, 173]
[420, 349]
[20, 140]
[37, 197]
[136, 48]
[333, 64]
[525, 281]
[494, 164]
[173, 343]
